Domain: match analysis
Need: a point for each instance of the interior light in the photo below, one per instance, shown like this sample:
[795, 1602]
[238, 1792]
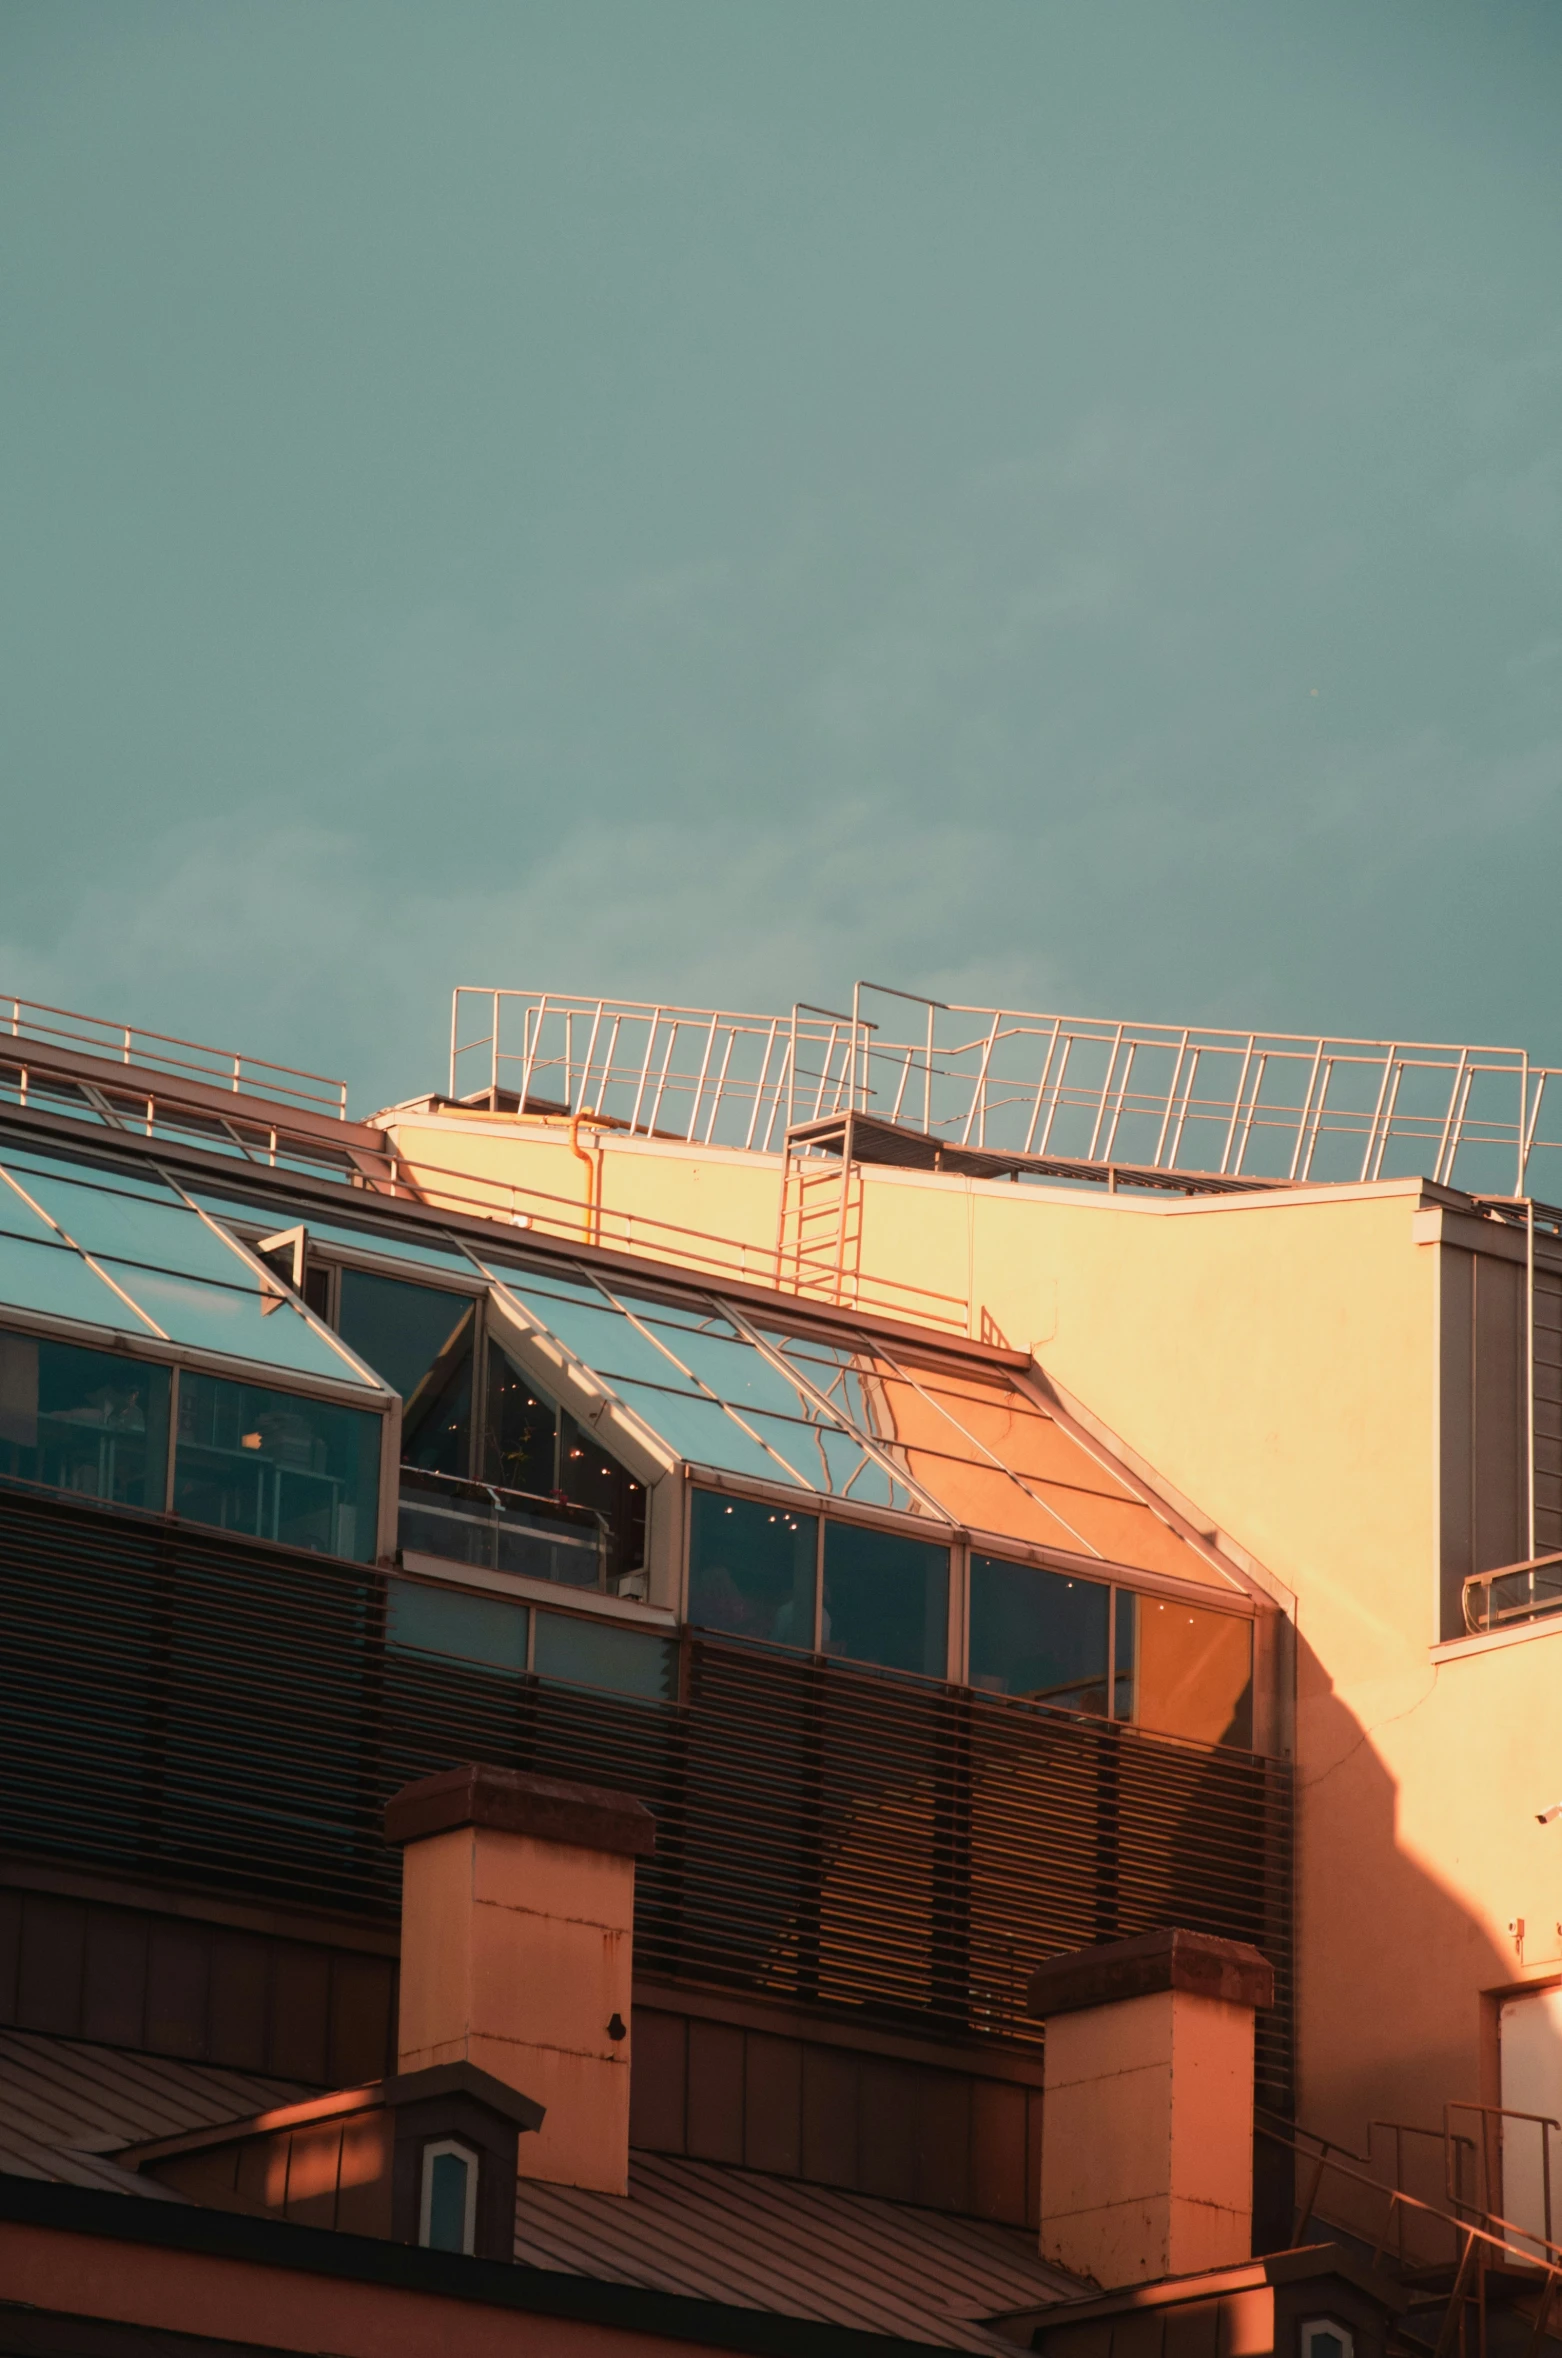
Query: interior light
[250, 1440]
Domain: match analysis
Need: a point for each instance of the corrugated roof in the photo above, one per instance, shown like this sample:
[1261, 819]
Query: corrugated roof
[66, 2104]
[698, 2228]
[806, 2251]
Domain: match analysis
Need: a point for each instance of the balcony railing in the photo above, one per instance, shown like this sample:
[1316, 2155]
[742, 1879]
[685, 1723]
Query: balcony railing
[499, 1530]
[1513, 1594]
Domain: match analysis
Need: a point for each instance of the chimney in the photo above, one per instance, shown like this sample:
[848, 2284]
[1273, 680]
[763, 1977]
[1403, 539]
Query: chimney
[1147, 2108]
[517, 1926]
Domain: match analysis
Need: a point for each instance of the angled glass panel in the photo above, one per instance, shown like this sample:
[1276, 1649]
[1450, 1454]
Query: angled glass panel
[388, 1246]
[399, 1328]
[752, 1569]
[47, 1276]
[604, 1338]
[223, 1318]
[1039, 1634]
[133, 1221]
[274, 1465]
[735, 1371]
[886, 1599]
[834, 1461]
[32, 1163]
[91, 1422]
[699, 1430]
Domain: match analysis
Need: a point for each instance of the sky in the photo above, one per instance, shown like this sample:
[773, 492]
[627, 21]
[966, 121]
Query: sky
[1039, 504]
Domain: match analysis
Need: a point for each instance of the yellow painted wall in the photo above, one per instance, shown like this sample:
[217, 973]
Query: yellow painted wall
[1276, 1359]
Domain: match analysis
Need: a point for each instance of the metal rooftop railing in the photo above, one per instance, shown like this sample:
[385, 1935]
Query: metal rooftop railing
[160, 1052]
[1259, 1107]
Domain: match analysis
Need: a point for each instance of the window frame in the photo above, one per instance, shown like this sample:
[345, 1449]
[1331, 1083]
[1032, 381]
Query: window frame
[963, 1545]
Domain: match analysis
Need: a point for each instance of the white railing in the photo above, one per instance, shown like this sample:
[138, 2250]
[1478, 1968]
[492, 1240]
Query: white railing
[160, 1052]
[1094, 1089]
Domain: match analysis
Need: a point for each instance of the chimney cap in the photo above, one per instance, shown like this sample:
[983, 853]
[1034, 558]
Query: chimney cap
[591, 1817]
[1150, 1962]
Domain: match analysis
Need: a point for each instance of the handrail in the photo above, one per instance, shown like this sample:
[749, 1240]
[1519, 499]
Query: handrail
[797, 1270]
[131, 1044]
[1303, 1108]
[1498, 2240]
[1512, 1593]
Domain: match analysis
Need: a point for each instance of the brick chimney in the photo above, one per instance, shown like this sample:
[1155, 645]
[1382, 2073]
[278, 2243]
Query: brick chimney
[1147, 2108]
[517, 1926]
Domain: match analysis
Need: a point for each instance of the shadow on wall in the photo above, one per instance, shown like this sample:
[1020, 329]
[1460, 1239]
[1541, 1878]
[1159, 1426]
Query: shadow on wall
[1396, 2016]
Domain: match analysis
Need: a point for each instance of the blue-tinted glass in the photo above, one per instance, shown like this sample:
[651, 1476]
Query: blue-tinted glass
[752, 1569]
[696, 1429]
[399, 1328]
[136, 1224]
[49, 1277]
[1039, 1633]
[604, 1338]
[434, 1255]
[93, 1422]
[447, 2201]
[37, 1169]
[886, 1599]
[276, 1466]
[694, 1314]
[595, 1654]
[735, 1371]
[832, 1460]
[227, 1319]
[445, 1621]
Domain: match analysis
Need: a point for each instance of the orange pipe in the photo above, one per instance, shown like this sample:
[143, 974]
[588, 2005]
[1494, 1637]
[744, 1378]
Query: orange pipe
[593, 1165]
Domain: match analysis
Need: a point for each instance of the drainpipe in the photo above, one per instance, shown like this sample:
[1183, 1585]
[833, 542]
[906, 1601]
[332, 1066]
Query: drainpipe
[593, 1165]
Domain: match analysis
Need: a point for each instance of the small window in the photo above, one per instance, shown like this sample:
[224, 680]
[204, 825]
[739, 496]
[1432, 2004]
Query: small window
[752, 1570]
[274, 1465]
[886, 1599]
[1325, 2337]
[1039, 1634]
[1194, 1671]
[447, 2220]
[93, 1422]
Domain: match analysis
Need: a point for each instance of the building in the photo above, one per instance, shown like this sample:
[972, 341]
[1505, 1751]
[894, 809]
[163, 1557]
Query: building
[961, 1554]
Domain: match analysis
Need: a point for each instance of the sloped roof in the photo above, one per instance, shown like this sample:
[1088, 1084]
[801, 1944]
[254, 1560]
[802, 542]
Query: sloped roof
[66, 2105]
[700, 2229]
[772, 2243]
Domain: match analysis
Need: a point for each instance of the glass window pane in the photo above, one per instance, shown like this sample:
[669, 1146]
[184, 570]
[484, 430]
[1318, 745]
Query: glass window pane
[445, 1621]
[595, 1654]
[94, 1422]
[886, 1599]
[696, 1429]
[227, 1319]
[590, 1476]
[604, 1338]
[1040, 1634]
[520, 1433]
[274, 1216]
[436, 1425]
[752, 1569]
[399, 1328]
[1195, 1672]
[276, 1466]
[136, 1225]
[49, 1277]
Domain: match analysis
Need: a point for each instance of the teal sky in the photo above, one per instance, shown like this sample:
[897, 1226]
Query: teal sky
[688, 498]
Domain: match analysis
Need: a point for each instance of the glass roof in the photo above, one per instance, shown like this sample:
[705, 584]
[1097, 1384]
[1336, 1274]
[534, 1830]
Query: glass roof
[923, 1433]
[96, 1240]
[709, 1390]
